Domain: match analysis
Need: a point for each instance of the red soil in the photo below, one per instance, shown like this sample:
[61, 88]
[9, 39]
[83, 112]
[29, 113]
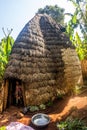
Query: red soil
[75, 106]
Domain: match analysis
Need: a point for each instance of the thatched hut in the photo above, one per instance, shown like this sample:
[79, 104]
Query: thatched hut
[44, 61]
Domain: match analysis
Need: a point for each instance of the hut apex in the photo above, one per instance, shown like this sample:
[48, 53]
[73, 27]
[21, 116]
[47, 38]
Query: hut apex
[43, 61]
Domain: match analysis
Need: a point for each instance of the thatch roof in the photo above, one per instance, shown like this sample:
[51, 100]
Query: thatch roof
[36, 54]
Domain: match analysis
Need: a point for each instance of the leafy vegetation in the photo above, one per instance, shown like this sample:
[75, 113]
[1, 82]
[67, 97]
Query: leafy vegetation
[55, 12]
[42, 106]
[34, 108]
[5, 50]
[3, 128]
[37, 108]
[78, 21]
[50, 103]
[71, 124]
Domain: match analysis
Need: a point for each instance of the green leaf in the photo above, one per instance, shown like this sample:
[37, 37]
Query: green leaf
[78, 39]
[34, 108]
[6, 45]
[42, 106]
[74, 19]
[3, 128]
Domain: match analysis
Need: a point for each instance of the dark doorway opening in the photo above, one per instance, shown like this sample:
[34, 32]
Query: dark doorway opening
[11, 101]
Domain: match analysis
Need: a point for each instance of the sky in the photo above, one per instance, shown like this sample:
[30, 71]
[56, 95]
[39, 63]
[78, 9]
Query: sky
[16, 13]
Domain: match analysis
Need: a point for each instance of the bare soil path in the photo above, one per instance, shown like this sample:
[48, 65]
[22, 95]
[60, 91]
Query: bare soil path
[75, 106]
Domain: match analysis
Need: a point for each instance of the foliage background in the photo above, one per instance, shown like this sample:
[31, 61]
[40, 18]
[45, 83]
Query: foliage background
[6, 45]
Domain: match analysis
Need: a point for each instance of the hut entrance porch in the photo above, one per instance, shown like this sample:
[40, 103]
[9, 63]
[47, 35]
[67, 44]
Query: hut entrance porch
[13, 97]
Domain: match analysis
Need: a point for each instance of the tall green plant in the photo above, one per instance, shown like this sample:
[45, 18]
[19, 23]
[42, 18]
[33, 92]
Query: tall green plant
[6, 45]
[80, 46]
[78, 20]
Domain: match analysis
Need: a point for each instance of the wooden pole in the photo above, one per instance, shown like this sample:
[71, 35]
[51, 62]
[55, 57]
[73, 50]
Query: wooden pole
[5, 94]
[23, 91]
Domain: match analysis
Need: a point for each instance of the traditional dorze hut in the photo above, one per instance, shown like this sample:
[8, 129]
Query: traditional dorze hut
[43, 60]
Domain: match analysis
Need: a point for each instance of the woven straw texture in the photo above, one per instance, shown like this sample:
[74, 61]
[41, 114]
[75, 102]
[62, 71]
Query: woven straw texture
[44, 59]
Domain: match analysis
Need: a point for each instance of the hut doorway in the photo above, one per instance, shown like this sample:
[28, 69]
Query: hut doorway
[15, 94]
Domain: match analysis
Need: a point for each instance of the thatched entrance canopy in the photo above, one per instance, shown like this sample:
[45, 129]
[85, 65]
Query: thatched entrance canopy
[44, 59]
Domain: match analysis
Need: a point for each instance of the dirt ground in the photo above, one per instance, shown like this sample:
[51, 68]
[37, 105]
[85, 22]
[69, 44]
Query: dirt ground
[75, 106]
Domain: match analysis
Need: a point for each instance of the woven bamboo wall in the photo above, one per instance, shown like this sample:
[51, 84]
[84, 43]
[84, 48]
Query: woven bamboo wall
[68, 74]
[73, 72]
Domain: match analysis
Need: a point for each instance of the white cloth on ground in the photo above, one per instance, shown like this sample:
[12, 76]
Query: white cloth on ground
[18, 126]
